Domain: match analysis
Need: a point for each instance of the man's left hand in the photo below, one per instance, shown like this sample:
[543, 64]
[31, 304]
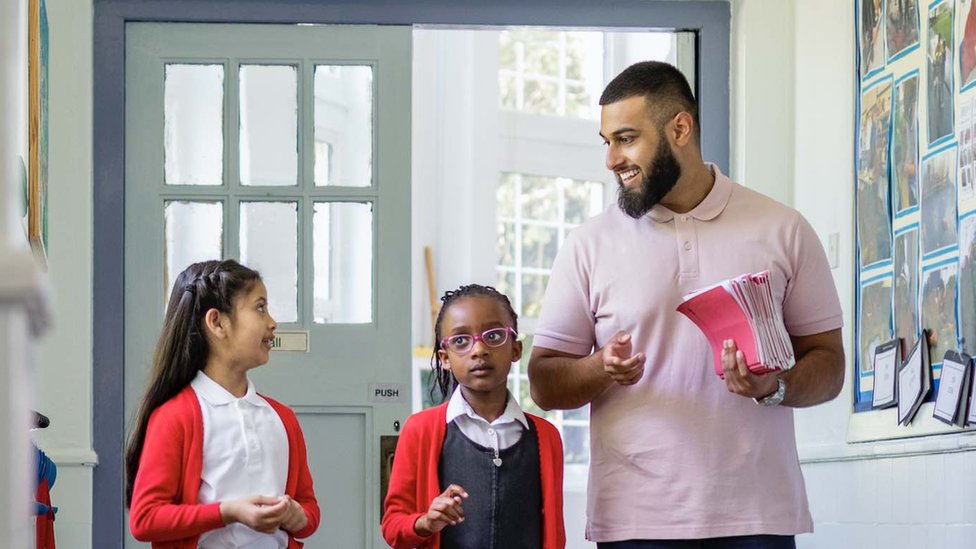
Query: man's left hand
[739, 379]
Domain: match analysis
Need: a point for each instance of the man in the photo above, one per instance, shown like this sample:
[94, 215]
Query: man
[676, 453]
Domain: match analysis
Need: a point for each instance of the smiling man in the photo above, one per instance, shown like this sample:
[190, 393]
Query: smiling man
[679, 458]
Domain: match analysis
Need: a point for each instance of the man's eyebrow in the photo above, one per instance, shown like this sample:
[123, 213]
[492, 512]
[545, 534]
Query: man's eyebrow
[619, 131]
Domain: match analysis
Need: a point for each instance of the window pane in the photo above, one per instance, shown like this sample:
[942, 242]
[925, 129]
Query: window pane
[506, 285]
[269, 244]
[539, 198]
[506, 244]
[583, 200]
[343, 125]
[540, 97]
[539, 246]
[525, 398]
[506, 194]
[533, 290]
[342, 243]
[577, 414]
[551, 72]
[269, 125]
[194, 232]
[576, 444]
[193, 124]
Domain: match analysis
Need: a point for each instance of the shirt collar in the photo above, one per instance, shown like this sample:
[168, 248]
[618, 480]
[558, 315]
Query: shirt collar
[457, 406]
[706, 210]
[215, 395]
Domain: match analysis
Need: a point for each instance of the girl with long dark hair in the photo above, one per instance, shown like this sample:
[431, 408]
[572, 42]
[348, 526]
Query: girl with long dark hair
[211, 463]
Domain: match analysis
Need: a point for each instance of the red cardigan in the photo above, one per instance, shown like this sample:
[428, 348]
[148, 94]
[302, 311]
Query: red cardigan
[414, 482]
[164, 506]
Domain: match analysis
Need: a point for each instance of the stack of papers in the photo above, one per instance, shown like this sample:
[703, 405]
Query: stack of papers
[742, 309]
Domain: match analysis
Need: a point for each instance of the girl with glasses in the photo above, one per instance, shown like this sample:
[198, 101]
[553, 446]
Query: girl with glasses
[476, 471]
[212, 463]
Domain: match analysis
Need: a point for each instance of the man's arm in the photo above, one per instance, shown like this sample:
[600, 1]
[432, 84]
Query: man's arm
[564, 381]
[817, 377]
[819, 372]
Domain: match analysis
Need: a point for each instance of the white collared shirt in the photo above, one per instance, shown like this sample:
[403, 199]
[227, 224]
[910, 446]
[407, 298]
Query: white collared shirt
[500, 434]
[245, 453]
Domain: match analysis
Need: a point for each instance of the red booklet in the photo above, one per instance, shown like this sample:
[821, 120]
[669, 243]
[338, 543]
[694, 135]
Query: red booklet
[742, 309]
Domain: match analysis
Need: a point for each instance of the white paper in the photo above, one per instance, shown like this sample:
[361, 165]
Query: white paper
[947, 402]
[909, 383]
[884, 376]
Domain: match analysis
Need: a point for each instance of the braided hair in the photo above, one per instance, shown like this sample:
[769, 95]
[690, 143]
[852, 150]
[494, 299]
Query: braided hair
[443, 380]
[182, 348]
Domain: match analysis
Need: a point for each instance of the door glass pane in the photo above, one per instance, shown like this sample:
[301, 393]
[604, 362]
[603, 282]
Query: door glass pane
[194, 231]
[269, 125]
[343, 125]
[342, 243]
[269, 244]
[193, 124]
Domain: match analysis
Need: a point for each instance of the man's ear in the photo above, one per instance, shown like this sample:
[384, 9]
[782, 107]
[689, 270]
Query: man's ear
[683, 128]
[213, 323]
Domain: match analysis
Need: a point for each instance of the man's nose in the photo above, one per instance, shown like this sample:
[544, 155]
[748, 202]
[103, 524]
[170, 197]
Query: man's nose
[613, 157]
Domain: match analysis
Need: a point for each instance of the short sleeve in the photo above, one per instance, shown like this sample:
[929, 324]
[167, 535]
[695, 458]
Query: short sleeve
[810, 304]
[567, 322]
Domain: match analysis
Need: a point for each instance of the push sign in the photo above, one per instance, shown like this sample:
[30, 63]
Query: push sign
[387, 392]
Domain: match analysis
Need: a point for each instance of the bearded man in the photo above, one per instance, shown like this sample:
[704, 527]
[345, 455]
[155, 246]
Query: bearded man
[680, 458]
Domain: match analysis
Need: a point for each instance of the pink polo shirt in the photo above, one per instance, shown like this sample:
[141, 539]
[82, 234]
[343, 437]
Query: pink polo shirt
[677, 455]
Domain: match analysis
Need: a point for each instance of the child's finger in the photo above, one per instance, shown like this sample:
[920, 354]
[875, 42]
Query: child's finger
[455, 490]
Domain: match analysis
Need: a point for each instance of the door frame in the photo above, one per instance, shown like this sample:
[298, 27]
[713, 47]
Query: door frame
[710, 19]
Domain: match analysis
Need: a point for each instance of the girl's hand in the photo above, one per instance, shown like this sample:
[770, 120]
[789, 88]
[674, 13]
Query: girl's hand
[444, 510]
[261, 513]
[294, 519]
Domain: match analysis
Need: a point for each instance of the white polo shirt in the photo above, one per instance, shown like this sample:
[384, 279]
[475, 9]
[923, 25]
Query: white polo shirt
[677, 455]
[245, 453]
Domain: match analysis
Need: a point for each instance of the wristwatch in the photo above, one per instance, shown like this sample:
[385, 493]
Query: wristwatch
[776, 397]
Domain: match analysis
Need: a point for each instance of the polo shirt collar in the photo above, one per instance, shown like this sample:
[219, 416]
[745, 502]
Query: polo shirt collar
[706, 210]
[460, 407]
[215, 395]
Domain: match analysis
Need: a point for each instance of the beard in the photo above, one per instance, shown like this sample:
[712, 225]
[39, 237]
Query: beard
[660, 176]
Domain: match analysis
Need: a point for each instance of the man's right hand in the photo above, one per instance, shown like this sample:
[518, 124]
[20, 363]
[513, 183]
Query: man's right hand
[622, 367]
[444, 510]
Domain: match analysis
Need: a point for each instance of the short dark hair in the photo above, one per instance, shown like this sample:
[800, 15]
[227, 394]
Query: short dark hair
[661, 84]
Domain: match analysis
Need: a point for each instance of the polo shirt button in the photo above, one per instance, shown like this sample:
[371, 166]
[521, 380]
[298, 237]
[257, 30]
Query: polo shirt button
[684, 218]
[687, 245]
[491, 431]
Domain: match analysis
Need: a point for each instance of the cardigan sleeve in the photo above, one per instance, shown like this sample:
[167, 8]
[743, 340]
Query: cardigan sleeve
[155, 513]
[401, 507]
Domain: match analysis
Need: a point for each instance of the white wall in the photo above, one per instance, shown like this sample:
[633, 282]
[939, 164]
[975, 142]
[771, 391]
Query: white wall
[63, 379]
[891, 495]
[762, 127]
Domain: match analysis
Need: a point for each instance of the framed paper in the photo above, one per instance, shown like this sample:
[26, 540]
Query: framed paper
[953, 387]
[886, 361]
[913, 382]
